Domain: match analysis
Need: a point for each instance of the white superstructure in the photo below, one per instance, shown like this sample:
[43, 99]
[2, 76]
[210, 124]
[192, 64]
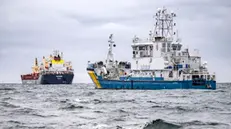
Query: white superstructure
[163, 49]
[152, 53]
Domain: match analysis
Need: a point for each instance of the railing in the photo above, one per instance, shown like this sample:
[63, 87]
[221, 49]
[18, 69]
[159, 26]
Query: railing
[139, 40]
[57, 72]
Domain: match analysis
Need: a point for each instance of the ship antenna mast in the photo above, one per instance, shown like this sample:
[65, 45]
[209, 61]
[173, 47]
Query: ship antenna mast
[164, 24]
[36, 62]
[110, 57]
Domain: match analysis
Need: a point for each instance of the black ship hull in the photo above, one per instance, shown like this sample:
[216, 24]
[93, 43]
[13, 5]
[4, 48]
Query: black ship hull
[56, 79]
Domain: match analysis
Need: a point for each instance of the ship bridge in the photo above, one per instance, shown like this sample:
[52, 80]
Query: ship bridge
[153, 52]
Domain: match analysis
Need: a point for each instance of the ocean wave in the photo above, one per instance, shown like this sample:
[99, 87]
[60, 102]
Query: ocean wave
[7, 88]
[8, 105]
[161, 124]
[97, 101]
[71, 106]
[88, 93]
[197, 122]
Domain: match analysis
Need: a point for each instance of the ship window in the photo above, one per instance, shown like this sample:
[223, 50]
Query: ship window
[195, 76]
[179, 54]
[213, 77]
[163, 44]
[202, 76]
[142, 48]
[146, 51]
[208, 77]
[168, 44]
[134, 52]
[170, 74]
[141, 54]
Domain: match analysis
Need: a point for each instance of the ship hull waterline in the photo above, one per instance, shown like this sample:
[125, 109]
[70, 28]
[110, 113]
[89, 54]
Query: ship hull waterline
[51, 79]
[101, 83]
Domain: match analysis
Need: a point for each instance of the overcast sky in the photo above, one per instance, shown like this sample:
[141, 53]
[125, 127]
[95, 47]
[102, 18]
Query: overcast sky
[80, 28]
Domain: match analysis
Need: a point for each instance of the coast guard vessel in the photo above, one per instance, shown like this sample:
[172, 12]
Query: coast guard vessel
[158, 62]
[52, 70]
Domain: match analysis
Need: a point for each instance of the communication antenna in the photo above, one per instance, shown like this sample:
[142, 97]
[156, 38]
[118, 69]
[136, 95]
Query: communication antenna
[36, 62]
[110, 57]
[164, 24]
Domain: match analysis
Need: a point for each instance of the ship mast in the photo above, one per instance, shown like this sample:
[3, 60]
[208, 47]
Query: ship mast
[165, 33]
[110, 56]
[36, 62]
[35, 68]
[164, 25]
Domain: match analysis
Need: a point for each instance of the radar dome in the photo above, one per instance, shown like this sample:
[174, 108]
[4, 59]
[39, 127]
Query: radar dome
[159, 9]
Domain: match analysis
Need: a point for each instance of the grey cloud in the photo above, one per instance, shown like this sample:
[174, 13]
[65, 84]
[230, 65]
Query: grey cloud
[94, 20]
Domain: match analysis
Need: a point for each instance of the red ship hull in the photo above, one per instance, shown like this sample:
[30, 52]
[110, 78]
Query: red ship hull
[34, 76]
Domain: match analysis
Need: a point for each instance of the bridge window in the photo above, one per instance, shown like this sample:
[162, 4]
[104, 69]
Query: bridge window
[145, 51]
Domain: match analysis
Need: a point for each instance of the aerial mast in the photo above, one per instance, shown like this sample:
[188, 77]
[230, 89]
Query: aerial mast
[110, 56]
[164, 24]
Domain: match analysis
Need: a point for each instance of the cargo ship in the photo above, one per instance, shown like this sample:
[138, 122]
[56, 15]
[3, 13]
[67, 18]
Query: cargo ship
[52, 70]
[158, 62]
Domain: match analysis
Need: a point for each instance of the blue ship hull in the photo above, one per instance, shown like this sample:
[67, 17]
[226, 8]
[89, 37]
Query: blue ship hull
[56, 79]
[147, 84]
